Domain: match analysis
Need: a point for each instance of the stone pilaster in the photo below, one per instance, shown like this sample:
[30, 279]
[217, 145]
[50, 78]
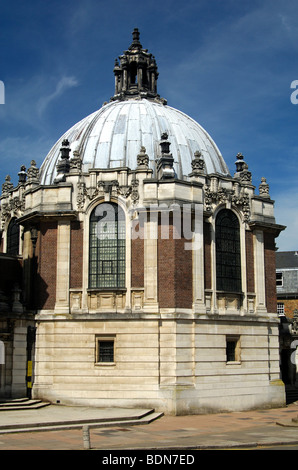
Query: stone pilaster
[259, 262]
[63, 267]
[150, 265]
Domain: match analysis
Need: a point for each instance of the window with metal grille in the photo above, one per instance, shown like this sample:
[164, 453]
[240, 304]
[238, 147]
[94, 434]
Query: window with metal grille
[107, 247]
[13, 238]
[105, 349]
[228, 258]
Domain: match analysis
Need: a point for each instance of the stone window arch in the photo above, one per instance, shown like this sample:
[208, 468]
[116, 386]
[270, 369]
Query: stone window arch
[107, 247]
[228, 253]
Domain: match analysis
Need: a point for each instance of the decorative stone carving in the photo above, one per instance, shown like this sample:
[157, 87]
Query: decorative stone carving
[142, 159]
[8, 185]
[33, 173]
[111, 187]
[81, 195]
[17, 204]
[76, 161]
[223, 196]
[245, 175]
[197, 164]
[134, 191]
[13, 207]
[242, 170]
[264, 188]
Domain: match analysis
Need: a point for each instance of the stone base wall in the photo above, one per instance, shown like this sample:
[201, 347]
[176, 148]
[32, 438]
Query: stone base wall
[178, 366]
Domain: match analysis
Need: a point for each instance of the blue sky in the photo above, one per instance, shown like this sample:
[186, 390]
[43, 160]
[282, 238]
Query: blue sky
[228, 64]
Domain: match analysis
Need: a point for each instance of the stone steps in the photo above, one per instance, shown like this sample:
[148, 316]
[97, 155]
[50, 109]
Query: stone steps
[21, 404]
[40, 424]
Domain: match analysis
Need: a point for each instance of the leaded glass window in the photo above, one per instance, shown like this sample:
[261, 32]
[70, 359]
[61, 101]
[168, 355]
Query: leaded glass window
[228, 258]
[13, 238]
[107, 247]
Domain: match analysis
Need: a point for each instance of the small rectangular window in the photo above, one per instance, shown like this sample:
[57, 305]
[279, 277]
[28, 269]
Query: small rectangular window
[279, 280]
[233, 348]
[105, 349]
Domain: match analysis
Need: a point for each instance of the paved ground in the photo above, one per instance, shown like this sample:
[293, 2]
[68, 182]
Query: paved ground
[225, 430]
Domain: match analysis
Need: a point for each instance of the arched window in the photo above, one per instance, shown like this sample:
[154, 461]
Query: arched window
[107, 247]
[13, 238]
[228, 258]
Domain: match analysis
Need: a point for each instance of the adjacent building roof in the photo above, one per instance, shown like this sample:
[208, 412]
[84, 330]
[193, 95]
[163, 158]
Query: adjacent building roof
[286, 259]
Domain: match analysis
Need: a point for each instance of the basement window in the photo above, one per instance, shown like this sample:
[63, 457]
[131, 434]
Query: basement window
[105, 350]
[233, 349]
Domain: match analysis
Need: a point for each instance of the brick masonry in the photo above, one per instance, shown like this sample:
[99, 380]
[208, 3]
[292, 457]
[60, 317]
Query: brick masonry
[137, 256]
[270, 276]
[174, 271]
[46, 251]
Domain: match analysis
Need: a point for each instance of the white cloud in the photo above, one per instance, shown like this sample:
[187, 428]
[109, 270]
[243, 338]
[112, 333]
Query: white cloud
[63, 84]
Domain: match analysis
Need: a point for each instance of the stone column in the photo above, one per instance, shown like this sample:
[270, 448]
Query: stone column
[63, 267]
[198, 262]
[259, 261]
[150, 263]
[18, 385]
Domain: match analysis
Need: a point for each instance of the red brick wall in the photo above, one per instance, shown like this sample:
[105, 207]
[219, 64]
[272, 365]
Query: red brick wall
[46, 252]
[174, 271]
[166, 269]
[183, 274]
[249, 247]
[290, 306]
[76, 255]
[270, 272]
[137, 256]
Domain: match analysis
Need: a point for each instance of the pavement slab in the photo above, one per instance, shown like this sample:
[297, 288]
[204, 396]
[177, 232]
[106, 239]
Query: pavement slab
[235, 430]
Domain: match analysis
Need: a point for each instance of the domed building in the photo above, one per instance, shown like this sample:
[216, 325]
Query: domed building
[148, 270]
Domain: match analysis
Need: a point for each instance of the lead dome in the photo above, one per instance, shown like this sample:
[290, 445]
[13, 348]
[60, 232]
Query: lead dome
[136, 117]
